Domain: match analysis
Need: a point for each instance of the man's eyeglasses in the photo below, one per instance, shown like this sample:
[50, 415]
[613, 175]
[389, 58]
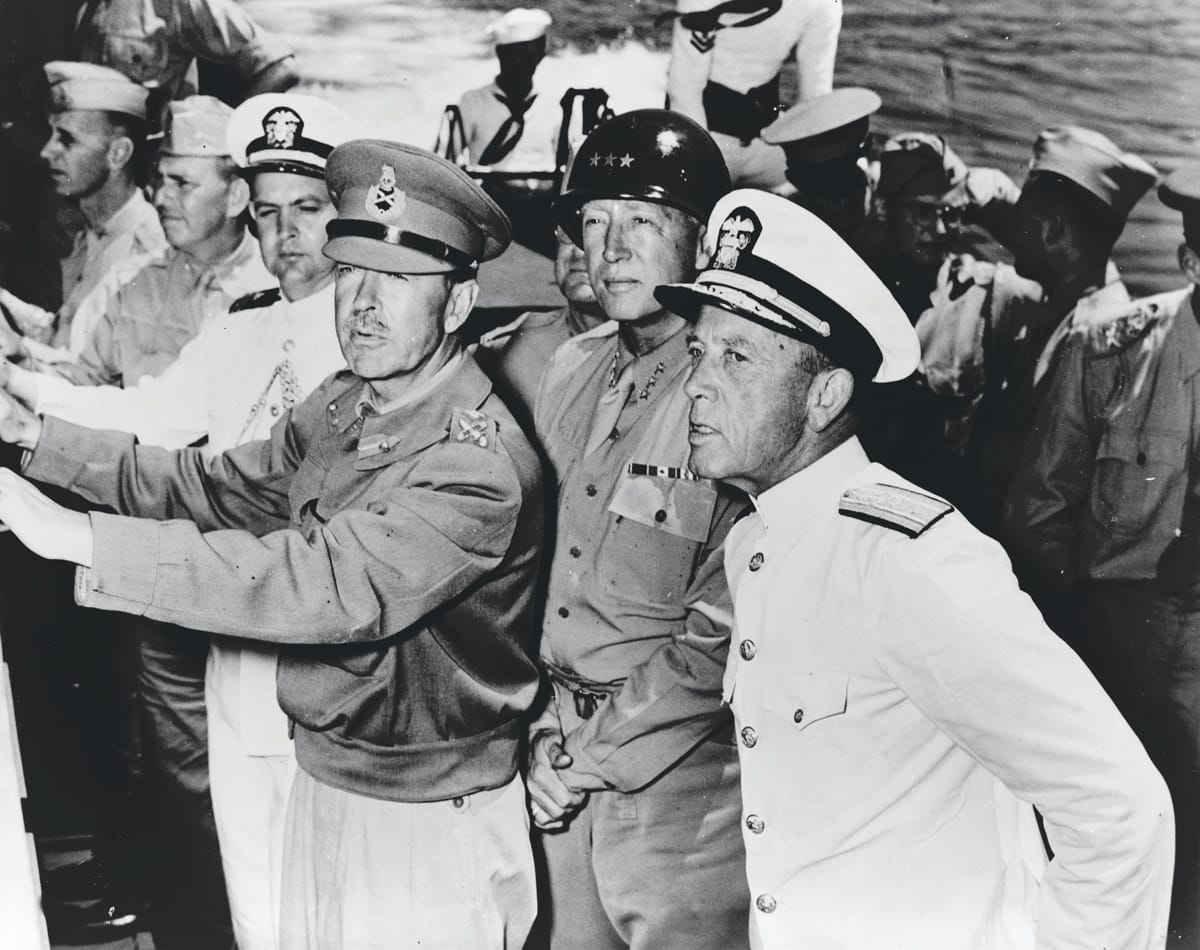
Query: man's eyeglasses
[926, 214]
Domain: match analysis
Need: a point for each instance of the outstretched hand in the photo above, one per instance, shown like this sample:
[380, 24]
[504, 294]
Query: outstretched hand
[46, 528]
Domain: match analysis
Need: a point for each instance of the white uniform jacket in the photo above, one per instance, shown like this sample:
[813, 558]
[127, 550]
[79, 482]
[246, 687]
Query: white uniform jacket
[900, 704]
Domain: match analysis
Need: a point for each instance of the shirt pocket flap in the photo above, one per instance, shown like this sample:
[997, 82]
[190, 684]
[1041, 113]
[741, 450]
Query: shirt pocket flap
[683, 507]
[813, 697]
[1138, 479]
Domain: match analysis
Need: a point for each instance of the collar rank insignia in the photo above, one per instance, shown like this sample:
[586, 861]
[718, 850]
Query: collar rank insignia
[739, 233]
[470, 425]
[384, 200]
[891, 506]
[282, 127]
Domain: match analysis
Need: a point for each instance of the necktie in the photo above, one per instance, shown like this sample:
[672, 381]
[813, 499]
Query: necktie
[608, 409]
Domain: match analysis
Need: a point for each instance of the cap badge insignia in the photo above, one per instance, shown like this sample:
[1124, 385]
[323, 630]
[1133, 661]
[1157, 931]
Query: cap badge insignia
[739, 233]
[282, 127]
[384, 199]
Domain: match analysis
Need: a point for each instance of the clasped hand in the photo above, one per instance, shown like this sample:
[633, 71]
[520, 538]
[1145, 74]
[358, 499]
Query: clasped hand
[45, 527]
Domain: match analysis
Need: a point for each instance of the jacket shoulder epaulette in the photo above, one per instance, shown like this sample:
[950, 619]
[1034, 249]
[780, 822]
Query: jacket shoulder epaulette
[474, 427]
[891, 506]
[260, 298]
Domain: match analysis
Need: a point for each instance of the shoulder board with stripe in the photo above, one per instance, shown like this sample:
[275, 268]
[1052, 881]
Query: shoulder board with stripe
[901, 509]
[260, 298]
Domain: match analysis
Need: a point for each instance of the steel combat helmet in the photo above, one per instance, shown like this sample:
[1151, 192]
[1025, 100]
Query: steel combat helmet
[645, 155]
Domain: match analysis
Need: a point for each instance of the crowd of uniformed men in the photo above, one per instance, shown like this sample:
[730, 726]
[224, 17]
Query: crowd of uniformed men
[824, 573]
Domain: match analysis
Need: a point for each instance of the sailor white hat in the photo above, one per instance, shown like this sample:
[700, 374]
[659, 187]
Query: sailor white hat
[519, 26]
[782, 267]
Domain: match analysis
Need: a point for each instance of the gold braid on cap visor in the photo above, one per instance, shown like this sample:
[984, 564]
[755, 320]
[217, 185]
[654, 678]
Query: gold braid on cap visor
[747, 293]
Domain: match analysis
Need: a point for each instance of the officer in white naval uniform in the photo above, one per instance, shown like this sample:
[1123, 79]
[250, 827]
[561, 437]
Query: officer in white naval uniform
[230, 384]
[900, 704]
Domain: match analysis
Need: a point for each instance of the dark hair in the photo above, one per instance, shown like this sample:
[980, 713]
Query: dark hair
[1092, 223]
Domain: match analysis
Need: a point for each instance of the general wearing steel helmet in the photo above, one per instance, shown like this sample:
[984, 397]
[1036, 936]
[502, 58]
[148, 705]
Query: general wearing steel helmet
[645, 155]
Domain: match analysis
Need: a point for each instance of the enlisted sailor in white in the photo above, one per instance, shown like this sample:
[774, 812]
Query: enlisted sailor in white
[900, 704]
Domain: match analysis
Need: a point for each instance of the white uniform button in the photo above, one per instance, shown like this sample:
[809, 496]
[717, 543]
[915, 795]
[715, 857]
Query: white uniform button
[798, 716]
[275, 411]
[757, 561]
[747, 649]
[766, 903]
[749, 737]
[755, 824]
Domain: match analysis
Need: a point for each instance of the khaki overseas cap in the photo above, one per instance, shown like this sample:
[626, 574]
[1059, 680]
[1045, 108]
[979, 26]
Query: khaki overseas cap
[89, 86]
[404, 210]
[783, 268]
[288, 132]
[826, 127]
[197, 126]
[1095, 163]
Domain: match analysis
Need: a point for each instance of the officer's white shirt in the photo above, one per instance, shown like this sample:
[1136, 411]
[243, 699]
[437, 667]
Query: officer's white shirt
[233, 381]
[899, 702]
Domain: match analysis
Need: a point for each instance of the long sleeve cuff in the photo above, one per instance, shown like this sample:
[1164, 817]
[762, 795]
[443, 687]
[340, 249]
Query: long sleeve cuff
[124, 565]
[57, 459]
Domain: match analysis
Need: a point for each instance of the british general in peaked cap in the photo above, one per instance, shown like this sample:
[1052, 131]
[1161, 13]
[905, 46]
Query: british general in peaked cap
[404, 210]
[782, 267]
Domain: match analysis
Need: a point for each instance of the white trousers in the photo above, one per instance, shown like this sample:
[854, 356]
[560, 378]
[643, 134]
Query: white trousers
[365, 874]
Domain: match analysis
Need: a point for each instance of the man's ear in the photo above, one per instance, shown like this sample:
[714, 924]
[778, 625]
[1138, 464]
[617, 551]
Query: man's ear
[237, 198]
[828, 397]
[459, 305]
[703, 255]
[1189, 263]
[120, 152]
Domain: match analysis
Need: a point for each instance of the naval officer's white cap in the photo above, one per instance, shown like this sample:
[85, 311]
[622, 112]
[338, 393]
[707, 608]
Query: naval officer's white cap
[782, 267]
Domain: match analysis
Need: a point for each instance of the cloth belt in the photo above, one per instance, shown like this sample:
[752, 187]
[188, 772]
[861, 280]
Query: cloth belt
[741, 114]
[587, 694]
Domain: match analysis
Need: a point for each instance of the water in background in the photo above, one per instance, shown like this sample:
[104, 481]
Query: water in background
[988, 76]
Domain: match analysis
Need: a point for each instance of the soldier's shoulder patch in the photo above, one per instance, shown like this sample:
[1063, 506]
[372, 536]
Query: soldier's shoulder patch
[260, 298]
[474, 427]
[1117, 330]
[891, 506]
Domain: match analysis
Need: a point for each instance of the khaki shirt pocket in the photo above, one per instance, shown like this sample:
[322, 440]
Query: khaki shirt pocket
[679, 506]
[811, 698]
[1139, 481]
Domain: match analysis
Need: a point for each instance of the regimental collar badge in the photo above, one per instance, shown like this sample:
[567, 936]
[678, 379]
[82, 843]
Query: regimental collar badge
[384, 200]
[282, 127]
[739, 233]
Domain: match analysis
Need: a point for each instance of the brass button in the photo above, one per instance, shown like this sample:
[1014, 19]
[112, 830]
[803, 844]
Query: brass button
[747, 649]
[766, 903]
[564, 612]
[757, 561]
[749, 737]
[385, 446]
[591, 491]
[755, 824]
[1141, 458]
[798, 716]
[575, 552]
[660, 516]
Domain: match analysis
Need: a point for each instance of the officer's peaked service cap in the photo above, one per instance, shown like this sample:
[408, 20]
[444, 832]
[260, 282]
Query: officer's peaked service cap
[1095, 163]
[288, 132]
[89, 86]
[1181, 191]
[404, 210]
[825, 127]
[197, 126]
[782, 267]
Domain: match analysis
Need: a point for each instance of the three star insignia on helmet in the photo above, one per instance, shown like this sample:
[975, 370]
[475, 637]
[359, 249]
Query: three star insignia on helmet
[890, 506]
[471, 425]
[384, 200]
[610, 160]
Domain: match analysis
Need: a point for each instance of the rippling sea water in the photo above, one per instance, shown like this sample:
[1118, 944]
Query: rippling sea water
[986, 75]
